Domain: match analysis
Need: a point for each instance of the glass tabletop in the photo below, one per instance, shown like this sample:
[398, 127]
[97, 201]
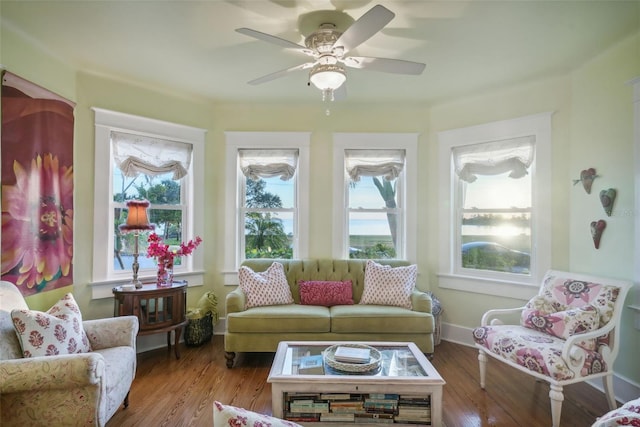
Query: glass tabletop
[311, 359]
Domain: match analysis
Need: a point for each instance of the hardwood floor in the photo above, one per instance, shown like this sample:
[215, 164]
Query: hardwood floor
[170, 392]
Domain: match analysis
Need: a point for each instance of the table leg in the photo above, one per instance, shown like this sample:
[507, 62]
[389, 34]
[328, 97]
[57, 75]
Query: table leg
[176, 349]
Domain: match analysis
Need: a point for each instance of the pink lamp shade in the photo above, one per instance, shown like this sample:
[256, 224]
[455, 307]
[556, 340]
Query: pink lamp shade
[137, 218]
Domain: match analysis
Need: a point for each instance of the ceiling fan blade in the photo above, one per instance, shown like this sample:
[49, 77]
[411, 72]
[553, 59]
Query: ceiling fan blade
[274, 40]
[387, 65]
[365, 27]
[280, 73]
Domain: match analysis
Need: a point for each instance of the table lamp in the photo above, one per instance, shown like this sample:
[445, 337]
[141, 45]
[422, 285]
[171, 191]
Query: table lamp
[137, 220]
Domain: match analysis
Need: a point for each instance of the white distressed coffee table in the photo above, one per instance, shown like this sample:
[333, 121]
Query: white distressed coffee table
[404, 389]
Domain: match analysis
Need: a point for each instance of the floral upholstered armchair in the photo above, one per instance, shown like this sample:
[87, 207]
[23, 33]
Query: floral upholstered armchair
[568, 333]
[64, 389]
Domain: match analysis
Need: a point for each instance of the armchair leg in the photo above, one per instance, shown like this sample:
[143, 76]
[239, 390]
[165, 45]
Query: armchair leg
[556, 396]
[126, 400]
[482, 358]
[229, 355]
[607, 382]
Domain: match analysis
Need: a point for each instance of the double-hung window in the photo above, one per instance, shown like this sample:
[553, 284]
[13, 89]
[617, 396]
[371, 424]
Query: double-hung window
[495, 204]
[267, 197]
[375, 195]
[268, 208]
[140, 158]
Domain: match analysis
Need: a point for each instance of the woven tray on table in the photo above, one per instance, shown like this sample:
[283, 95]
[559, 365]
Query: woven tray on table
[373, 363]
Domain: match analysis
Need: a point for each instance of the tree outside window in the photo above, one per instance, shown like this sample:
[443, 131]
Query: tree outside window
[269, 204]
[375, 213]
[265, 235]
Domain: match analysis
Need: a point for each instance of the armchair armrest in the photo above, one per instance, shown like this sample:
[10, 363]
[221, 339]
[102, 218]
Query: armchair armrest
[51, 372]
[573, 354]
[421, 301]
[235, 301]
[112, 332]
[493, 316]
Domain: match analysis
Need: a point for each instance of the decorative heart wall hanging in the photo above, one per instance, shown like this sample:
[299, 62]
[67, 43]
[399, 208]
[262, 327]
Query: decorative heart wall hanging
[607, 197]
[597, 227]
[586, 177]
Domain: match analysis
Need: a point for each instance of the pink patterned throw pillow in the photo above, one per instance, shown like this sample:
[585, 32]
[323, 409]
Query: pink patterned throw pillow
[326, 293]
[58, 331]
[227, 415]
[563, 324]
[386, 285]
[269, 287]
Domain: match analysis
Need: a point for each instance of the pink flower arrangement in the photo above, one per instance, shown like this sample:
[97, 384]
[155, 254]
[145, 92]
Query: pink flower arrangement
[157, 248]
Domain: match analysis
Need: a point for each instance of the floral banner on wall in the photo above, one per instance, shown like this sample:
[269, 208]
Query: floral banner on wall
[37, 186]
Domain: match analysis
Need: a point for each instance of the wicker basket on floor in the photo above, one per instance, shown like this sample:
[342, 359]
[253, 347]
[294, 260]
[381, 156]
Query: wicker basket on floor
[199, 331]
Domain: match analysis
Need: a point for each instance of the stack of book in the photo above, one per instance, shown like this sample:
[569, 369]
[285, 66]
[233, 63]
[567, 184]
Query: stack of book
[347, 354]
[304, 407]
[371, 408]
[414, 409]
[344, 403]
[308, 406]
[381, 403]
[370, 418]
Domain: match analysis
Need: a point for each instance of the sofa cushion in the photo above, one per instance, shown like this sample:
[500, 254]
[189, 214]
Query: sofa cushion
[269, 287]
[361, 318]
[326, 293]
[386, 285]
[538, 351]
[280, 318]
[227, 415]
[58, 331]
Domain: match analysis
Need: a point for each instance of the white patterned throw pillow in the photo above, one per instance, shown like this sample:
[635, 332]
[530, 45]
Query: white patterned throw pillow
[386, 285]
[269, 287]
[58, 331]
[227, 415]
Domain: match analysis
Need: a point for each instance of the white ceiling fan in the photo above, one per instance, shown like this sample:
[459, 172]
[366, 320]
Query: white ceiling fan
[329, 48]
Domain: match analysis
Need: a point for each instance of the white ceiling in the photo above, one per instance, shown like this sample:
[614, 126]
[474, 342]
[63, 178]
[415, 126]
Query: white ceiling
[180, 45]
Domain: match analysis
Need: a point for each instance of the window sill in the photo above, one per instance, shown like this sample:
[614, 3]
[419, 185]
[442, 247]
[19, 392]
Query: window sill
[101, 290]
[230, 278]
[485, 286]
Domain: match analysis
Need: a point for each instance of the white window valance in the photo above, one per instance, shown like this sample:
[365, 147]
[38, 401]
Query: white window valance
[387, 163]
[492, 158]
[136, 154]
[268, 163]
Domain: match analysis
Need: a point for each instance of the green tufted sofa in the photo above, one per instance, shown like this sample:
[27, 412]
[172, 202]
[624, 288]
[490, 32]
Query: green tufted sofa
[260, 329]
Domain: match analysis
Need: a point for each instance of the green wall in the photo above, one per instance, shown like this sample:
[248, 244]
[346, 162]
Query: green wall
[601, 131]
[592, 127]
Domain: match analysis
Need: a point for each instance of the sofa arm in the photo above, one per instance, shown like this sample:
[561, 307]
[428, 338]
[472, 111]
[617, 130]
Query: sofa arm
[112, 332]
[51, 372]
[421, 301]
[235, 301]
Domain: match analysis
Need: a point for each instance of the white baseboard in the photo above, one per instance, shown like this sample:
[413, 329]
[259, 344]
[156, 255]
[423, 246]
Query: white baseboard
[625, 389]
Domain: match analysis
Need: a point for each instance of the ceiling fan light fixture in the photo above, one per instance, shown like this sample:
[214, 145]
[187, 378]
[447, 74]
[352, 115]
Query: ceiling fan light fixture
[327, 77]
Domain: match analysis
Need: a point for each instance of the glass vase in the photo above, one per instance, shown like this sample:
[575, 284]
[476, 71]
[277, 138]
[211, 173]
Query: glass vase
[165, 273]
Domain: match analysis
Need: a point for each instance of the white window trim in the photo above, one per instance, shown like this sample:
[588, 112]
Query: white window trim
[499, 284]
[345, 141]
[262, 140]
[107, 121]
